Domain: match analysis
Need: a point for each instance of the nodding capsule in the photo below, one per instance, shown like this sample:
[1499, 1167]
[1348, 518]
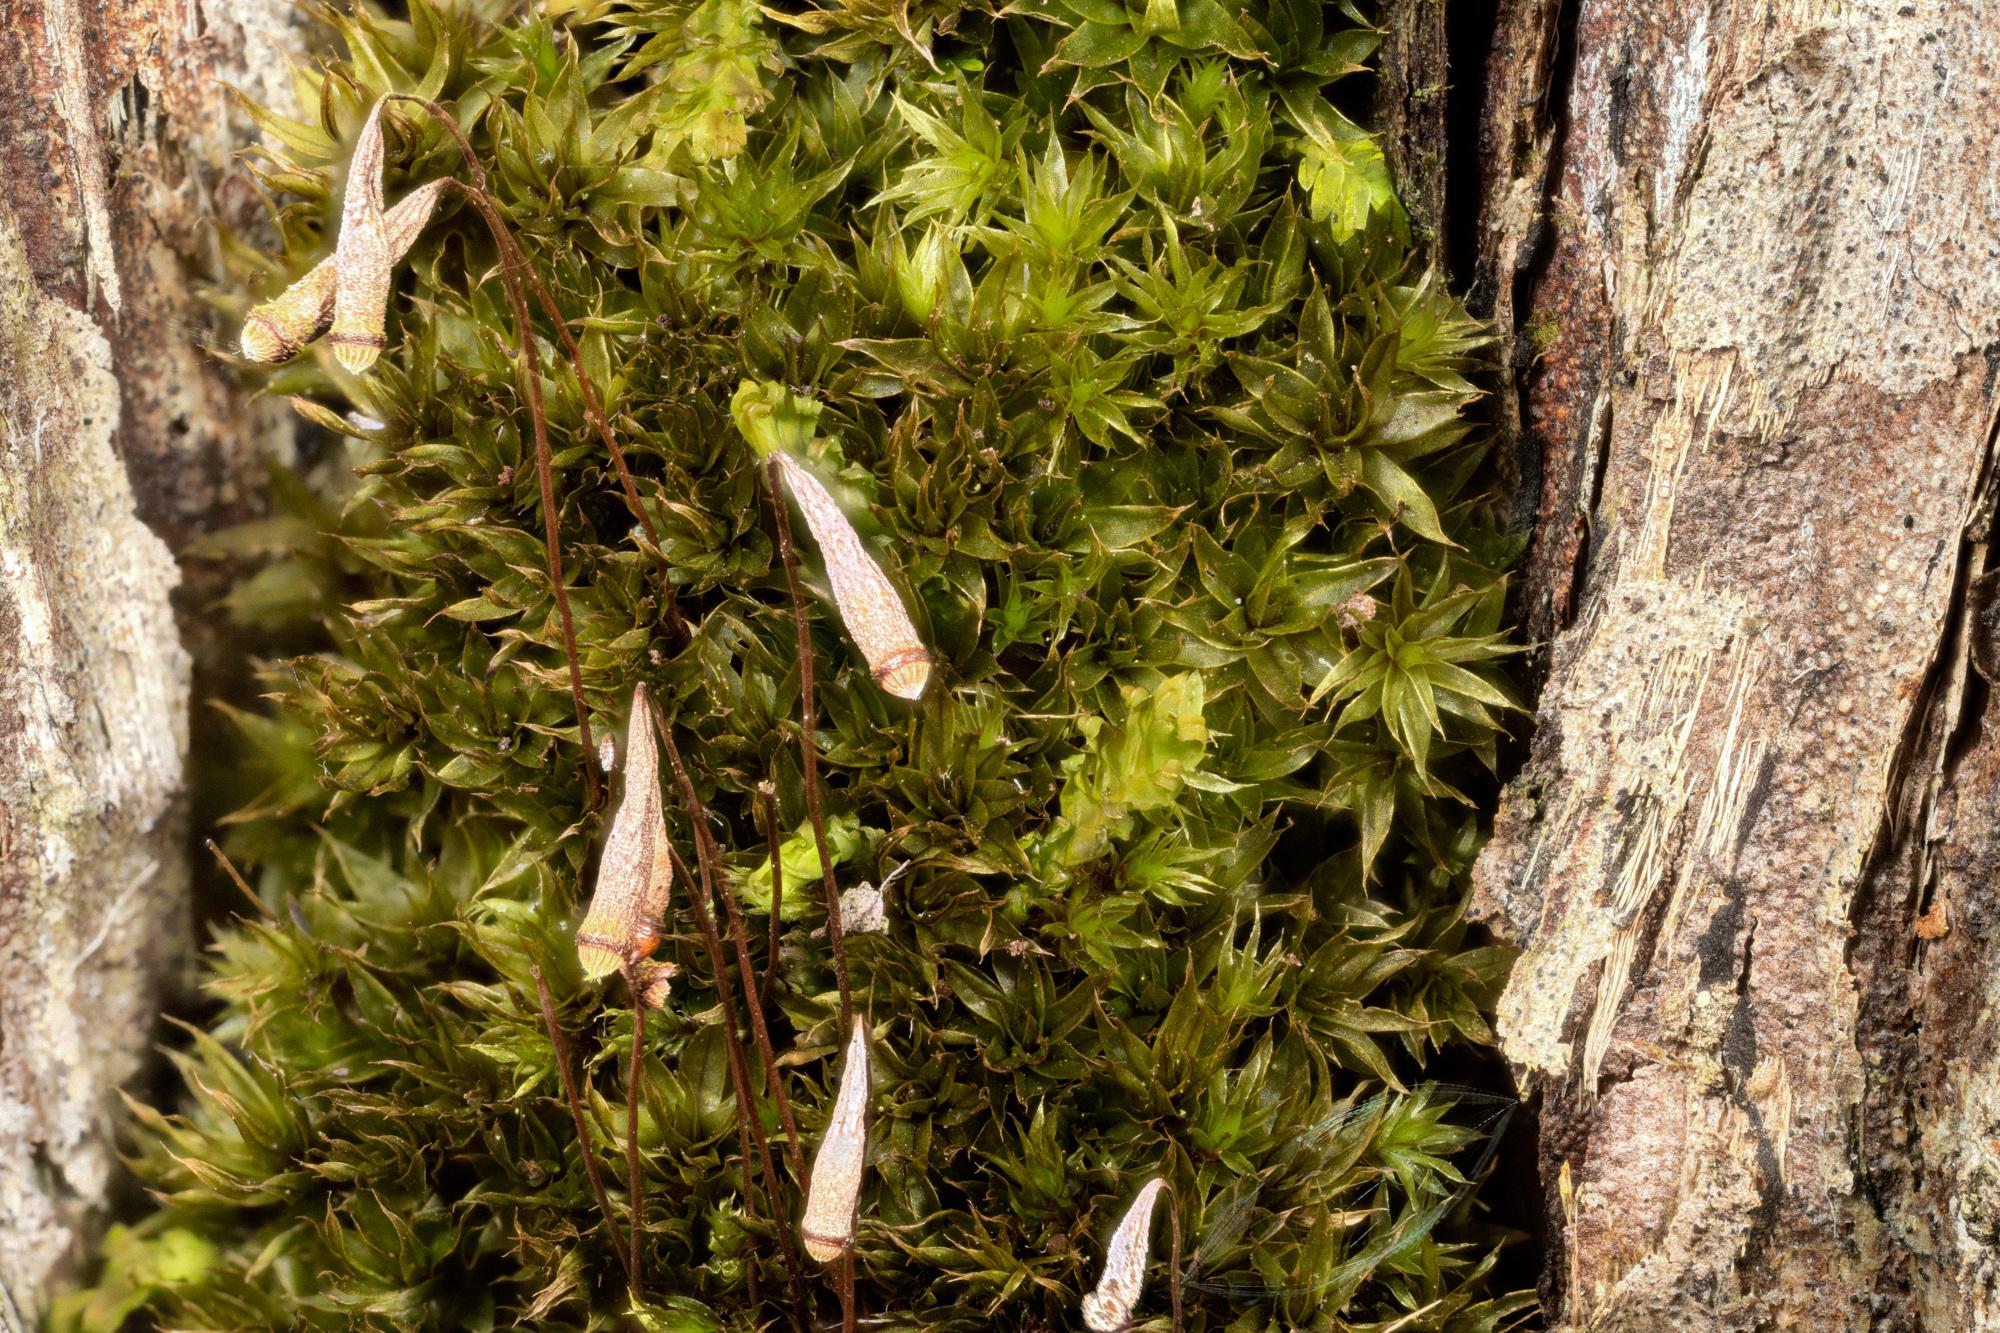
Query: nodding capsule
[636, 873]
[868, 603]
[280, 328]
[834, 1194]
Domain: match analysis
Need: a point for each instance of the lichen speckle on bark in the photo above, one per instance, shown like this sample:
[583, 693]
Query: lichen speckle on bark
[120, 437]
[93, 731]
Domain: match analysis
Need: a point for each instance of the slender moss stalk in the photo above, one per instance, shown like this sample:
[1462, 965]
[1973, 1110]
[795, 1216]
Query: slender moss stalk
[767, 806]
[710, 858]
[747, 1121]
[243, 885]
[635, 1176]
[560, 1044]
[594, 410]
[512, 262]
[809, 748]
[848, 1316]
[593, 407]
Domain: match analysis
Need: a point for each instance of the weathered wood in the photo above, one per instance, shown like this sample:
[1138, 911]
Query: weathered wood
[1411, 91]
[115, 138]
[1763, 315]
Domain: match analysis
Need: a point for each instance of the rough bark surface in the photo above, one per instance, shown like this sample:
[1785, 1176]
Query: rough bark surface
[1410, 104]
[115, 136]
[1746, 251]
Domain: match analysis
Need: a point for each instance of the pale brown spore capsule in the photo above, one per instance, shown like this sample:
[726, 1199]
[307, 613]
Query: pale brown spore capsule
[1109, 1308]
[362, 258]
[635, 875]
[280, 328]
[653, 982]
[868, 604]
[834, 1195]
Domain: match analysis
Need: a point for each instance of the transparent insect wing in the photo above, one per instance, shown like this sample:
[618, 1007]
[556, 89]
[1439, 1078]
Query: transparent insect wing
[635, 874]
[280, 328]
[868, 603]
[835, 1190]
[1109, 1308]
[362, 259]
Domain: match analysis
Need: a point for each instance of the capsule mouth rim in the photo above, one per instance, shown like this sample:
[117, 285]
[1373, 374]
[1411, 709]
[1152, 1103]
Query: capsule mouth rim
[619, 951]
[899, 664]
[281, 348]
[356, 355]
[823, 1247]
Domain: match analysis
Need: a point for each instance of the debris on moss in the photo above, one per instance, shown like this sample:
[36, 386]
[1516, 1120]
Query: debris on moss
[1101, 327]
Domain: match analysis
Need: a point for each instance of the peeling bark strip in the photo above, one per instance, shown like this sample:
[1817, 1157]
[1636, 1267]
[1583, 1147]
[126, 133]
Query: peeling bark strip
[1933, 1029]
[1763, 305]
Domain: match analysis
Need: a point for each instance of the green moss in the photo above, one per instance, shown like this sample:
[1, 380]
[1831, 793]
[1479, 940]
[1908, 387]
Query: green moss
[1543, 334]
[1109, 334]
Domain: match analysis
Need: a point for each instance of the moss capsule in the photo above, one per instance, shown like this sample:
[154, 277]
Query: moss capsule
[868, 604]
[636, 873]
[362, 259]
[835, 1192]
[1109, 1308]
[280, 328]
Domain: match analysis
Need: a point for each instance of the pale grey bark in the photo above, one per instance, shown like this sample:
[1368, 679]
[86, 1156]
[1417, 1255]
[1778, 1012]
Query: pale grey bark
[115, 139]
[93, 734]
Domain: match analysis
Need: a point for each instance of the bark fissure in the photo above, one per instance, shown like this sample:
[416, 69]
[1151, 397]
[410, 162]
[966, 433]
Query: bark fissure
[1903, 913]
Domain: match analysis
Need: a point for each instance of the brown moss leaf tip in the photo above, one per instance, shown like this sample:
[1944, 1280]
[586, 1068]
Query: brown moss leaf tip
[868, 603]
[362, 258]
[280, 328]
[1109, 1308]
[835, 1191]
[636, 873]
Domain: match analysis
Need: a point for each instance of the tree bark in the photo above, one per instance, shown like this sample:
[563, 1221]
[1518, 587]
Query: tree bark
[1744, 252]
[1411, 88]
[115, 135]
